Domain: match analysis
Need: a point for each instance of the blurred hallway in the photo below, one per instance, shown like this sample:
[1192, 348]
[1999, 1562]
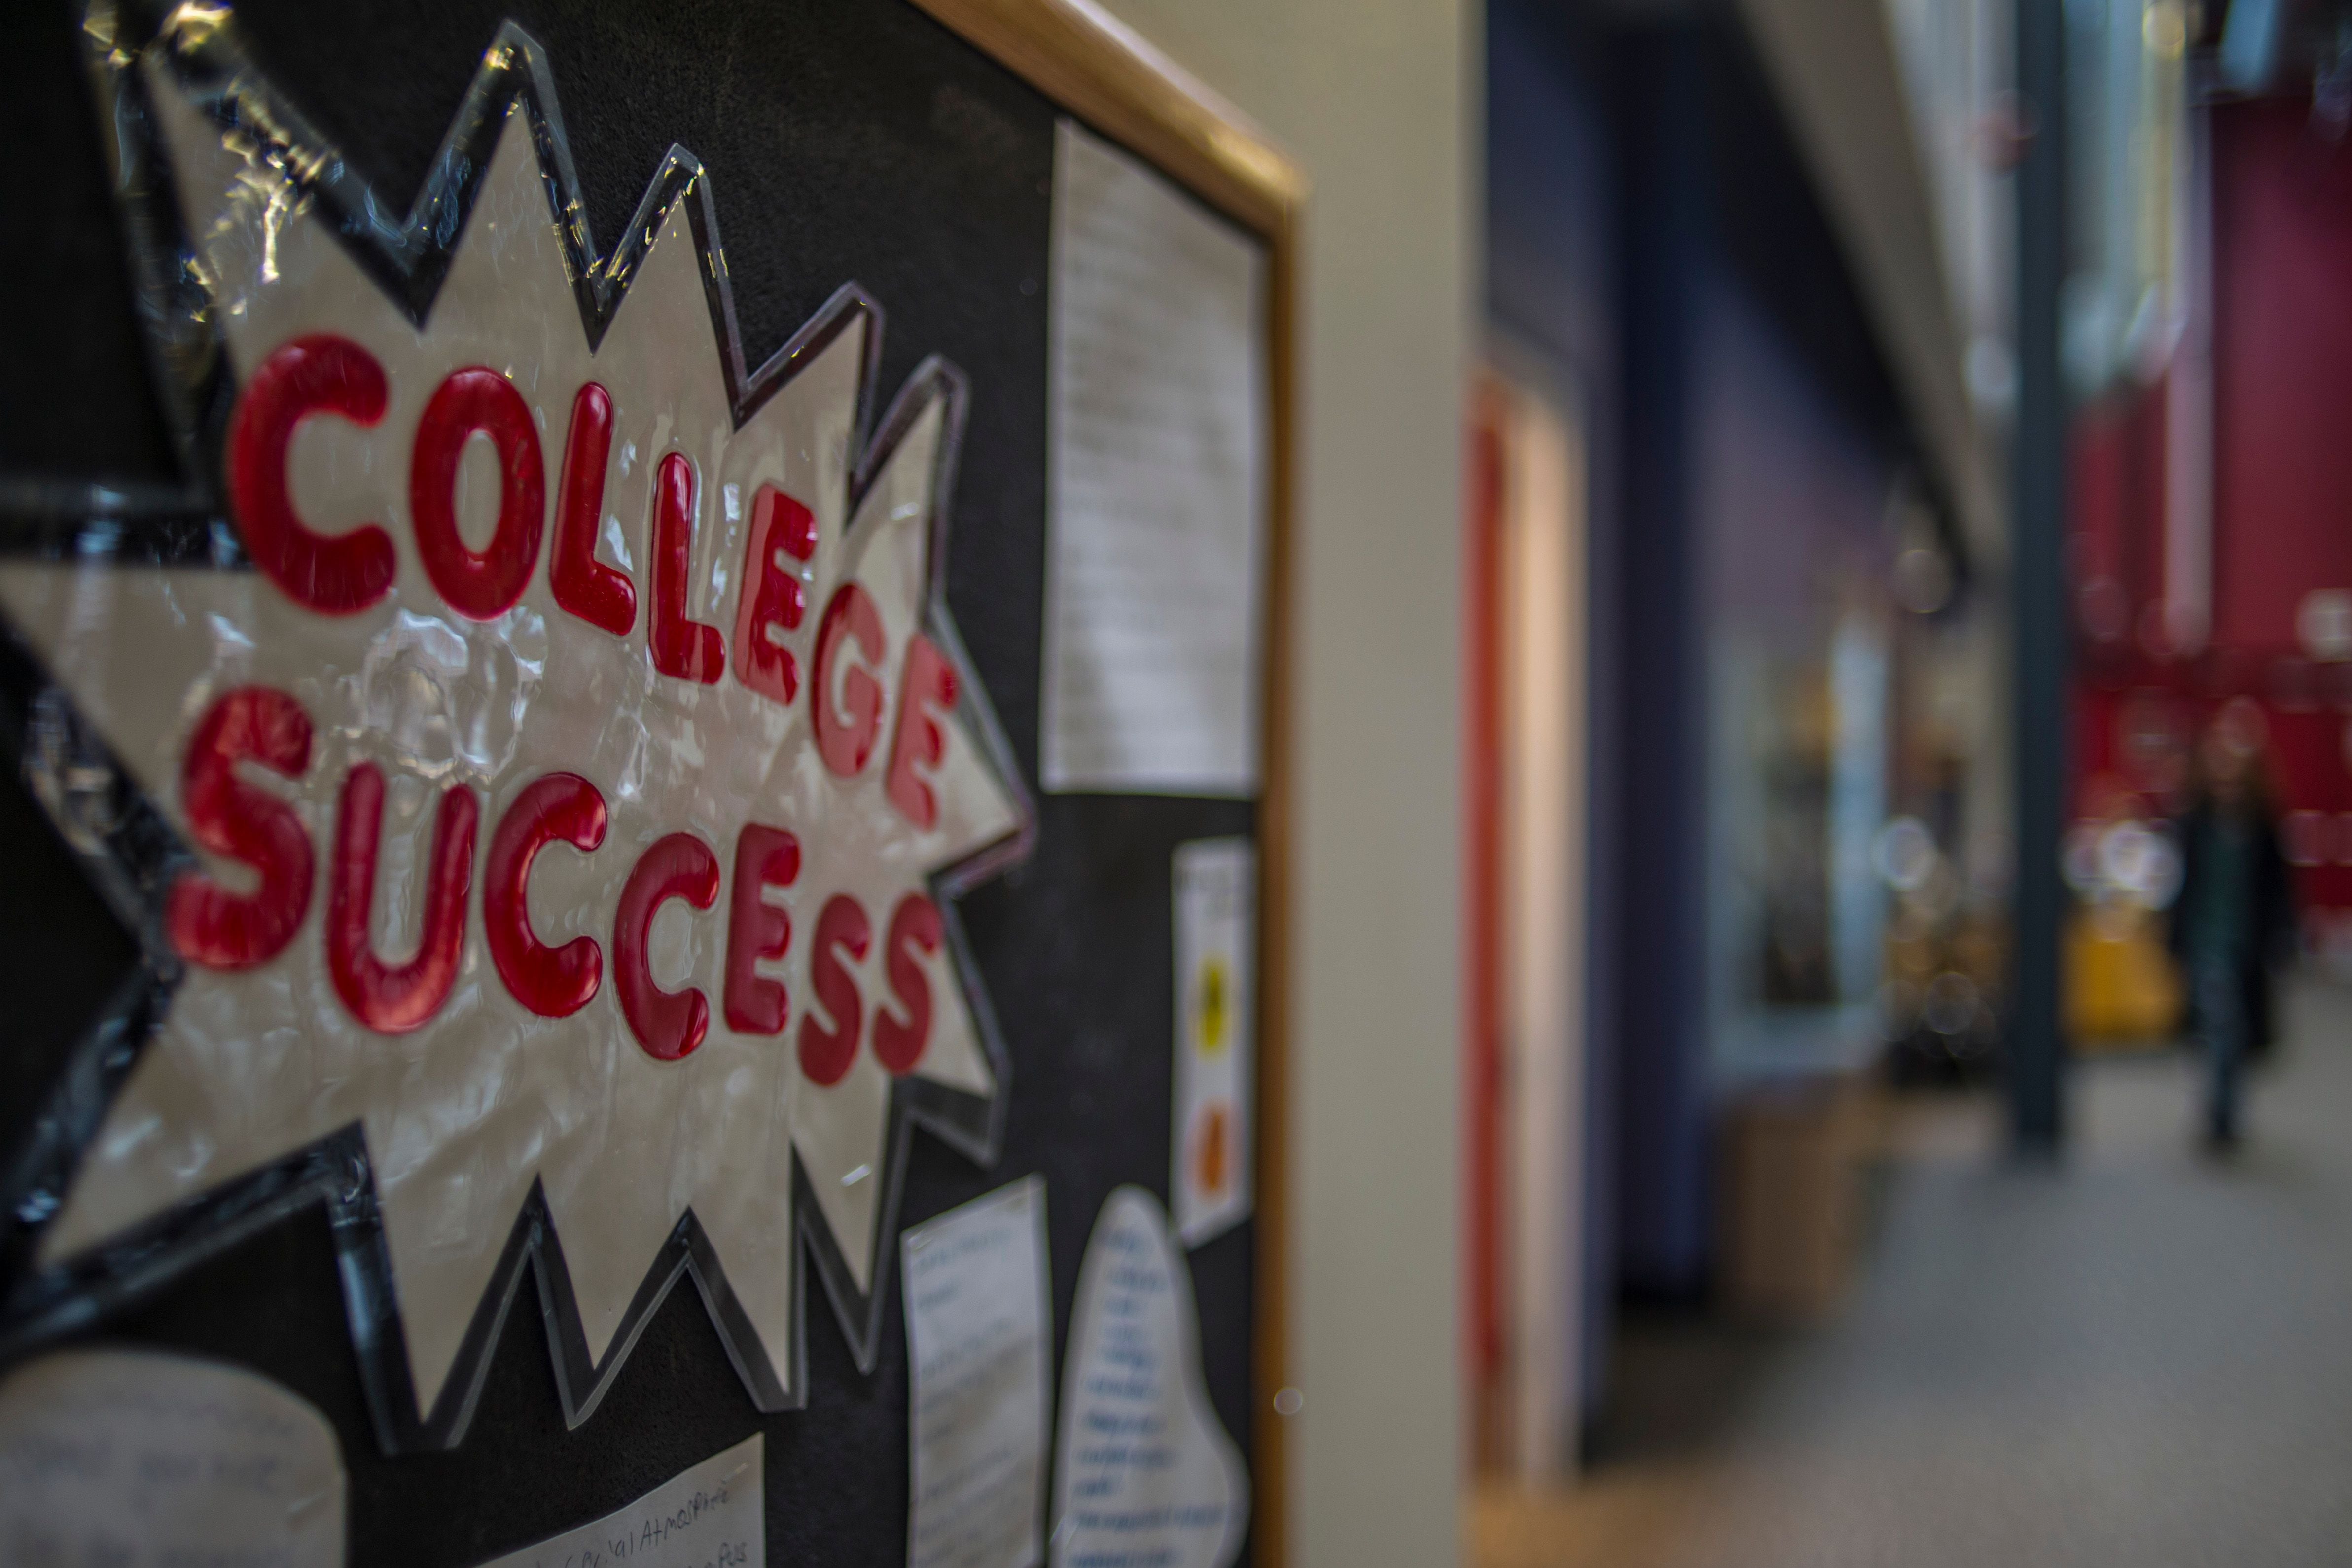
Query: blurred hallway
[2139, 1356]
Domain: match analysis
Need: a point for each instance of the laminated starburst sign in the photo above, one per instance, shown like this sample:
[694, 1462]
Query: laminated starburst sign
[537, 701]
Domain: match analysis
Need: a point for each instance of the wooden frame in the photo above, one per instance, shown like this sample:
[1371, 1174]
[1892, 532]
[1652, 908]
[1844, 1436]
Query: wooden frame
[1099, 69]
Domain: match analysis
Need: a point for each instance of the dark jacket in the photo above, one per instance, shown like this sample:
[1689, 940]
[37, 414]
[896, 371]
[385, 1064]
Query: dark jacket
[2273, 911]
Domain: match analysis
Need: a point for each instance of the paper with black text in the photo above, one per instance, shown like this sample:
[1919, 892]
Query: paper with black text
[1156, 514]
[713, 1515]
[979, 1350]
[1213, 1138]
[139, 1460]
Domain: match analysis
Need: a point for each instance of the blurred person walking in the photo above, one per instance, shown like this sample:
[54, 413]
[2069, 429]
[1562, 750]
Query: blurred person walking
[2235, 914]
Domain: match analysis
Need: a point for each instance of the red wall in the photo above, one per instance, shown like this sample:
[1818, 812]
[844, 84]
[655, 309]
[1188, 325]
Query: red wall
[2116, 550]
[2283, 370]
[2283, 507]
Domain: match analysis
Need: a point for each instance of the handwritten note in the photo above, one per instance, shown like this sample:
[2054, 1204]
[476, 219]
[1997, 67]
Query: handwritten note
[1144, 1475]
[1216, 1058]
[140, 1460]
[1156, 530]
[978, 1322]
[713, 1516]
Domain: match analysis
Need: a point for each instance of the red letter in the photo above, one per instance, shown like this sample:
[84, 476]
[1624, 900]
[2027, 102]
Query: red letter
[897, 1046]
[388, 1000]
[846, 743]
[772, 593]
[826, 1054]
[581, 584]
[478, 402]
[684, 648]
[552, 981]
[764, 858]
[930, 683]
[668, 1024]
[207, 924]
[334, 574]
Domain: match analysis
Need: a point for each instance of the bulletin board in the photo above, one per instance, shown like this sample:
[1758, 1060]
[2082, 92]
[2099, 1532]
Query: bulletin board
[876, 167]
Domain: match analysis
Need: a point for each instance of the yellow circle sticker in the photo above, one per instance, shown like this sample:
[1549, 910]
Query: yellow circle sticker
[1214, 1003]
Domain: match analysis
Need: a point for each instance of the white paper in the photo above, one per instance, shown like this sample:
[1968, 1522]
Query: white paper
[140, 1460]
[1143, 1473]
[1215, 1047]
[1157, 502]
[979, 1320]
[713, 1516]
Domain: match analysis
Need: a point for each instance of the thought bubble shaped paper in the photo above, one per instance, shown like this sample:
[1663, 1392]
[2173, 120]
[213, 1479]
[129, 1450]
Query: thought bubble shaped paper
[1144, 1472]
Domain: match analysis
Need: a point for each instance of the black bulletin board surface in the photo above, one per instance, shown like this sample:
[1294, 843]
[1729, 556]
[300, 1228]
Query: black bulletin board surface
[847, 141]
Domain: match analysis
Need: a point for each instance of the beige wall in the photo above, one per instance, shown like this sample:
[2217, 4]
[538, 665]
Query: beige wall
[1378, 99]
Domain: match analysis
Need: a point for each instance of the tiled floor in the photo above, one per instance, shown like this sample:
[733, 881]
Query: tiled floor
[2137, 1356]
